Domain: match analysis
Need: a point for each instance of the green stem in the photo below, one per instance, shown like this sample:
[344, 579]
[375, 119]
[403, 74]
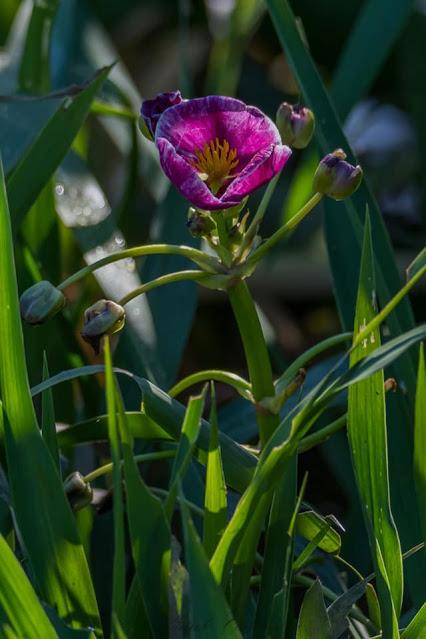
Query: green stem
[180, 276]
[107, 468]
[256, 352]
[310, 441]
[258, 217]
[266, 246]
[205, 261]
[241, 385]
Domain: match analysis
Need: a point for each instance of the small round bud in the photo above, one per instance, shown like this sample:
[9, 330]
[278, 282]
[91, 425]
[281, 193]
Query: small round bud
[199, 224]
[40, 302]
[335, 177]
[103, 318]
[79, 492]
[296, 125]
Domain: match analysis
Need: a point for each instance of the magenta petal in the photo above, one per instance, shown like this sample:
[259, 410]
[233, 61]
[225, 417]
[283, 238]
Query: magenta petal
[193, 123]
[261, 168]
[151, 110]
[186, 179]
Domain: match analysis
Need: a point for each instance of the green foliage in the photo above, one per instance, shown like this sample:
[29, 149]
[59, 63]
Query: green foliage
[195, 531]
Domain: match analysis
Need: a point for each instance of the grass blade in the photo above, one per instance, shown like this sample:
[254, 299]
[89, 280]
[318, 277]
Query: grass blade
[42, 512]
[18, 601]
[378, 26]
[34, 74]
[368, 442]
[149, 535]
[215, 500]
[417, 626]
[313, 619]
[119, 570]
[210, 614]
[42, 158]
[187, 440]
[420, 441]
[48, 423]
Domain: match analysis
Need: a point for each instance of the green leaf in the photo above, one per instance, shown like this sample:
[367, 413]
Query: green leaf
[420, 441]
[359, 65]
[149, 535]
[416, 629]
[368, 442]
[215, 499]
[119, 569]
[42, 158]
[187, 440]
[274, 594]
[310, 523]
[96, 430]
[18, 600]
[418, 264]
[209, 611]
[313, 619]
[42, 511]
[48, 423]
[340, 608]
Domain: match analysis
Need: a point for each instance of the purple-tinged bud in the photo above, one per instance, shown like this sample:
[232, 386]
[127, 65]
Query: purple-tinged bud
[151, 110]
[335, 177]
[103, 318]
[40, 302]
[78, 492]
[296, 125]
[199, 224]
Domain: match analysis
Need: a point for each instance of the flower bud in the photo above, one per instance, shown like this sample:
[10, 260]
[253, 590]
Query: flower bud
[79, 492]
[103, 318]
[335, 177]
[296, 125]
[151, 110]
[41, 302]
[199, 224]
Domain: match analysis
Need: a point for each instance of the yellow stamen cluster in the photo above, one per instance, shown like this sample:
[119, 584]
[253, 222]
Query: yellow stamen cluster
[215, 162]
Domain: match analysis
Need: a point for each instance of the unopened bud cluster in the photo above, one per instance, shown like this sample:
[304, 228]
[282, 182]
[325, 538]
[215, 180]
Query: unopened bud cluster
[102, 318]
[40, 302]
[296, 125]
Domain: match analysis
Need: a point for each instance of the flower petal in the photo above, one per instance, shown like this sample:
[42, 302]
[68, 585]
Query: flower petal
[186, 179]
[151, 110]
[193, 123]
[262, 168]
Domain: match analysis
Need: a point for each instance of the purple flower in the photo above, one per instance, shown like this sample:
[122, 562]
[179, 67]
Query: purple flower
[216, 150]
[152, 109]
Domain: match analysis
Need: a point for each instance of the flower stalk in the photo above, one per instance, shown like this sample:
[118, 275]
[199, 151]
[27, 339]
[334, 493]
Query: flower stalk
[257, 357]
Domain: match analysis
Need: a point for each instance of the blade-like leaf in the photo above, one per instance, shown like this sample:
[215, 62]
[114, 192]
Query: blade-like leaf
[47, 151]
[119, 570]
[368, 442]
[48, 424]
[18, 601]
[309, 524]
[215, 500]
[210, 614]
[417, 626]
[149, 535]
[42, 512]
[313, 619]
[420, 441]
[187, 440]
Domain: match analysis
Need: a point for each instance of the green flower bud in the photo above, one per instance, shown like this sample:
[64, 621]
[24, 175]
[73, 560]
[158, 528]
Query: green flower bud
[199, 224]
[79, 493]
[40, 302]
[335, 177]
[296, 125]
[103, 318]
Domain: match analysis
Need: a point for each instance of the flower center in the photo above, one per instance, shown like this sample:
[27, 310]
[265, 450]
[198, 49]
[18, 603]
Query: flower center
[215, 162]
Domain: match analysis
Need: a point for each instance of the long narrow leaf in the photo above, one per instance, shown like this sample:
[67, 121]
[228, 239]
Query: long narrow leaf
[420, 441]
[368, 442]
[43, 514]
